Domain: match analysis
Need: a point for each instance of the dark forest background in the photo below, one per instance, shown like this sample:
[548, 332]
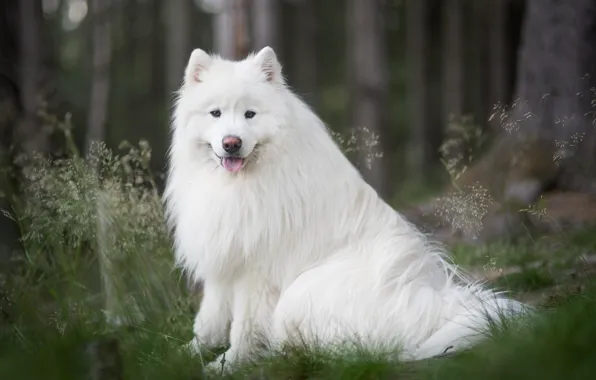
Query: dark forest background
[428, 79]
[474, 118]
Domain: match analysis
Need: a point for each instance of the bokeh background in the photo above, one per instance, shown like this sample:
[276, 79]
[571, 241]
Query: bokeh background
[426, 85]
[474, 118]
[398, 68]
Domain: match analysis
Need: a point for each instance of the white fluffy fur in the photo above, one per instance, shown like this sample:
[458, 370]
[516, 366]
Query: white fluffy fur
[296, 245]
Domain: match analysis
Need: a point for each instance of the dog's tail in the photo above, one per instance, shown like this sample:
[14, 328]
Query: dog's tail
[489, 312]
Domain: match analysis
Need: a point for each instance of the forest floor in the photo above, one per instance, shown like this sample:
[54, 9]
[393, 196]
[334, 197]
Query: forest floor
[73, 341]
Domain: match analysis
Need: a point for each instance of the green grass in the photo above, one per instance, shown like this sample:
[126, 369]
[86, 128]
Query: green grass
[556, 344]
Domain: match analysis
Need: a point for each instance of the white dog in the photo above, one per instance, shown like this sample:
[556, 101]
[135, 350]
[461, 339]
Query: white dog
[288, 239]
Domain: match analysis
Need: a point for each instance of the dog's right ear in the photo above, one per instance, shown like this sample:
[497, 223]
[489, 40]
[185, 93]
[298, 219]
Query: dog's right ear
[199, 62]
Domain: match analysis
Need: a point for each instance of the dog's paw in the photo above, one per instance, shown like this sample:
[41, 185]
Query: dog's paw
[210, 333]
[215, 368]
[222, 365]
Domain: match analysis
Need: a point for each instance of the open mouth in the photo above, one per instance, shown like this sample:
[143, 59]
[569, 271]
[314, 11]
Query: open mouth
[232, 164]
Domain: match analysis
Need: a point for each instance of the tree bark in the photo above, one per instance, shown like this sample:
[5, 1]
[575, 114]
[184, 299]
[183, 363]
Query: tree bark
[426, 133]
[476, 61]
[304, 51]
[231, 29]
[498, 52]
[453, 74]
[157, 57]
[265, 18]
[100, 81]
[556, 79]
[96, 132]
[10, 110]
[369, 83]
[29, 136]
[177, 44]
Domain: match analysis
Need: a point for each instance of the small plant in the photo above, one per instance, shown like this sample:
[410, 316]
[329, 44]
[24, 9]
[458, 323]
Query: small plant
[466, 139]
[93, 218]
[464, 208]
[510, 118]
[361, 141]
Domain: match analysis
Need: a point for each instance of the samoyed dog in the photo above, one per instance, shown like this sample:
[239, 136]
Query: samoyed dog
[290, 243]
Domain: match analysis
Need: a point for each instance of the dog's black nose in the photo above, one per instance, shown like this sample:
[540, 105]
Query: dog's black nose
[231, 144]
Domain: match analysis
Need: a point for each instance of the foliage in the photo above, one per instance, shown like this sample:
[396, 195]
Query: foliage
[91, 223]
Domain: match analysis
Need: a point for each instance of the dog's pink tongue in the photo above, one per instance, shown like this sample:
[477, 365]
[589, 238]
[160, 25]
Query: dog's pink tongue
[232, 164]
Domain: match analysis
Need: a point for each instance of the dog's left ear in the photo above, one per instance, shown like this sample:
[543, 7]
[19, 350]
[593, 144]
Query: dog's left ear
[269, 65]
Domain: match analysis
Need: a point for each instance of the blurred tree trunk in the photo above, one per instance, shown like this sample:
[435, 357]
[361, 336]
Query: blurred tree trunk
[10, 110]
[424, 125]
[369, 84]
[22, 53]
[265, 18]
[161, 100]
[304, 51]
[498, 62]
[223, 30]
[177, 43]
[453, 58]
[231, 29]
[100, 78]
[157, 49]
[96, 132]
[10, 97]
[476, 61]
[29, 136]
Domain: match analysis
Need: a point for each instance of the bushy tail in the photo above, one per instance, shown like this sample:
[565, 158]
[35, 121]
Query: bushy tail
[473, 324]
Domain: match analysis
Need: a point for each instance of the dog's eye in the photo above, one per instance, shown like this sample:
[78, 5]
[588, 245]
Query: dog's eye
[215, 113]
[249, 114]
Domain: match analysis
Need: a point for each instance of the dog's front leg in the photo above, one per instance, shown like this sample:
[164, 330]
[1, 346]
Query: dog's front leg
[252, 309]
[213, 319]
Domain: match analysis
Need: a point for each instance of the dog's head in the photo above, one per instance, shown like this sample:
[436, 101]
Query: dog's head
[229, 111]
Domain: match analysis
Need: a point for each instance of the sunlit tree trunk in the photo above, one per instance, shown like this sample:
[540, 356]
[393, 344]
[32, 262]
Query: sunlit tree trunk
[96, 132]
[265, 16]
[100, 78]
[231, 29]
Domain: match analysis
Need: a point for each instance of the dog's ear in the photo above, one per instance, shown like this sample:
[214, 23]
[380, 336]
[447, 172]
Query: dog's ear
[199, 62]
[269, 65]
